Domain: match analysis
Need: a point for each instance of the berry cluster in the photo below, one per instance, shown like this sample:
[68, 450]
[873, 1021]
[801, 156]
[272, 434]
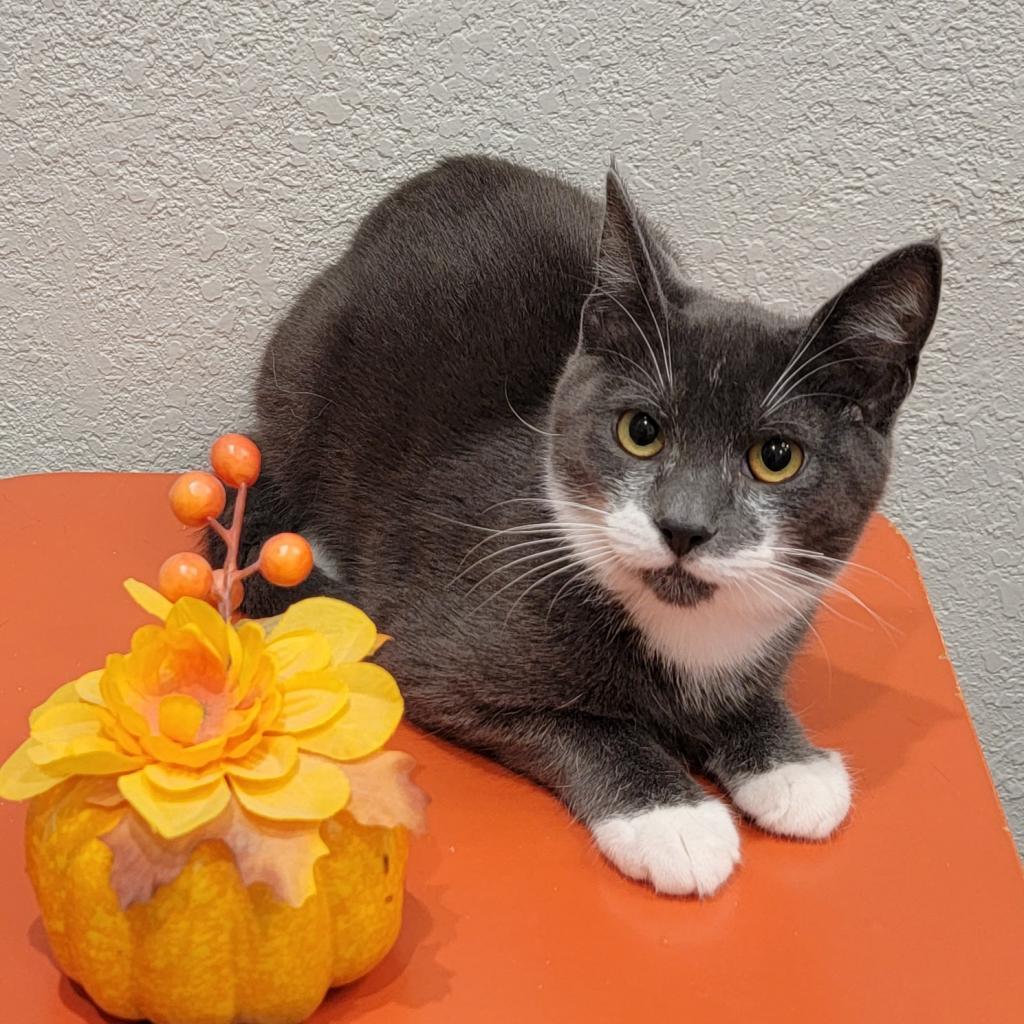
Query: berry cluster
[198, 499]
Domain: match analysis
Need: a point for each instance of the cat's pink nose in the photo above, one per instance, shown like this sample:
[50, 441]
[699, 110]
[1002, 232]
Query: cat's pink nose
[682, 538]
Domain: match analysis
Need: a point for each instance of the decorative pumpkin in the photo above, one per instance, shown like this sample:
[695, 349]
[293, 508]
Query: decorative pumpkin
[207, 949]
[214, 835]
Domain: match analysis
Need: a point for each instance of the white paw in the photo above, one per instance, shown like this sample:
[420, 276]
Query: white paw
[806, 799]
[680, 850]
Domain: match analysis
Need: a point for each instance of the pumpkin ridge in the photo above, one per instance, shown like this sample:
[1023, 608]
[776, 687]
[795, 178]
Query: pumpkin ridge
[281, 958]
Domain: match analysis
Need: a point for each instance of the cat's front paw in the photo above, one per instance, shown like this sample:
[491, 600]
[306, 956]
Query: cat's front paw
[804, 799]
[681, 850]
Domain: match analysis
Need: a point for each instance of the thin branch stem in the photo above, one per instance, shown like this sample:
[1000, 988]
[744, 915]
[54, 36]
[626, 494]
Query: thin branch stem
[249, 570]
[234, 538]
[219, 530]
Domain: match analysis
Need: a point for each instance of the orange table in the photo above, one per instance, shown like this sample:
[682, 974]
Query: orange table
[914, 912]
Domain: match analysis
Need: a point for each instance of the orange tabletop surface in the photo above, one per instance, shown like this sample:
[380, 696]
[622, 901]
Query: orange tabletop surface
[913, 912]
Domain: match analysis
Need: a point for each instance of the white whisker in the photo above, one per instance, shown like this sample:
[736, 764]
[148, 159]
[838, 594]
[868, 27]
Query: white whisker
[805, 616]
[525, 423]
[841, 563]
[544, 579]
[820, 369]
[553, 529]
[522, 576]
[559, 546]
[546, 501]
[650, 348]
[632, 362]
[795, 358]
[795, 573]
[505, 550]
[577, 578]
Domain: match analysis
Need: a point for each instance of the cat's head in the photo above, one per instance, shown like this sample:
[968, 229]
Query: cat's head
[701, 447]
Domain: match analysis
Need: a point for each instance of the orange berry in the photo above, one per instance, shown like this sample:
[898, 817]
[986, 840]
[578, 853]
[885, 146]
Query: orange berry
[237, 590]
[185, 575]
[235, 459]
[286, 559]
[196, 497]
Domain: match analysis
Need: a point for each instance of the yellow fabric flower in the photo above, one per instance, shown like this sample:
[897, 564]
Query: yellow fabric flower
[201, 710]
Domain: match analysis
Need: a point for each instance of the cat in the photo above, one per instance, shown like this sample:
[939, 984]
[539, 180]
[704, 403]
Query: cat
[595, 505]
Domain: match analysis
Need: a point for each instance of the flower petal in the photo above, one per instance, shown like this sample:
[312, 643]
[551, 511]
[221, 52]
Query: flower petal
[123, 738]
[116, 688]
[174, 814]
[373, 713]
[331, 678]
[146, 635]
[180, 717]
[292, 653]
[88, 686]
[240, 747]
[148, 599]
[250, 638]
[67, 719]
[238, 722]
[178, 779]
[84, 755]
[191, 611]
[274, 758]
[350, 632]
[234, 662]
[307, 709]
[21, 778]
[197, 756]
[70, 693]
[315, 791]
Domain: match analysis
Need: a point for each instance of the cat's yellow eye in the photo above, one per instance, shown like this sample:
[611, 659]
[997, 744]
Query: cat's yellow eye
[639, 434]
[775, 460]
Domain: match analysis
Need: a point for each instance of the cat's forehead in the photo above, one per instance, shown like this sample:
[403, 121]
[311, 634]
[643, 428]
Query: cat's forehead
[736, 331]
[732, 346]
[725, 358]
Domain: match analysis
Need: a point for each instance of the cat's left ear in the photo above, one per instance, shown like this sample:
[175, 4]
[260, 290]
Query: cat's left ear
[874, 330]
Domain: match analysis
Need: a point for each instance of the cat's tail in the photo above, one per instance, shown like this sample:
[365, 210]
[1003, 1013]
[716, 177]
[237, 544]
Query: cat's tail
[266, 512]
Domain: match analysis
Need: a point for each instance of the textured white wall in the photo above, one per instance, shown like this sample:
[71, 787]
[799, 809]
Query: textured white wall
[171, 173]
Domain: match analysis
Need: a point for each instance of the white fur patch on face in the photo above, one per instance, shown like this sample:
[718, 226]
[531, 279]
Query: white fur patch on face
[804, 799]
[633, 536]
[683, 850]
[711, 639]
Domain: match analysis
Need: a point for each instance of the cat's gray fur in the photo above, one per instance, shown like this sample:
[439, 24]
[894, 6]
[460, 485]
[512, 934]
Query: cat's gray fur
[461, 370]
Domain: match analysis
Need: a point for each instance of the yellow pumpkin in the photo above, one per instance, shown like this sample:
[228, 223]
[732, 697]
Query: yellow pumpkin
[206, 949]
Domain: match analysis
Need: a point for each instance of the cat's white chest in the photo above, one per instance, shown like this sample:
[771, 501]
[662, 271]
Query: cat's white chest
[712, 640]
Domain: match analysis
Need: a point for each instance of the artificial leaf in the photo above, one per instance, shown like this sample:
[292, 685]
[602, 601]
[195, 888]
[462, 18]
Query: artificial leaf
[384, 794]
[278, 855]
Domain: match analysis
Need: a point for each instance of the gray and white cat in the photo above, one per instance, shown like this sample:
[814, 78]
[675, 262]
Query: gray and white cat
[595, 505]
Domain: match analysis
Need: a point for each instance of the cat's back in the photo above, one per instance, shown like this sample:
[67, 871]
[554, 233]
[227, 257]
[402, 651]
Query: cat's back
[463, 284]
